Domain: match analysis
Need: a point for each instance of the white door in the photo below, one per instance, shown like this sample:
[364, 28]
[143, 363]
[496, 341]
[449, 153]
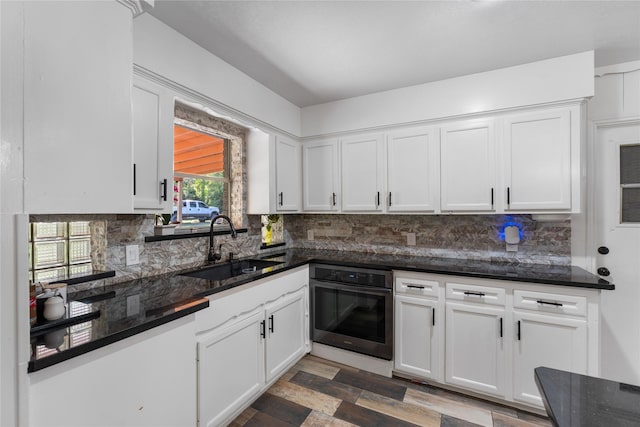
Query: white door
[361, 173]
[320, 175]
[412, 171]
[537, 160]
[230, 369]
[285, 333]
[288, 176]
[416, 336]
[617, 201]
[467, 155]
[544, 340]
[475, 348]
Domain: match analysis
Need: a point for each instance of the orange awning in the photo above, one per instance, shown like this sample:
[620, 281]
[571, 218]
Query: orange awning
[196, 153]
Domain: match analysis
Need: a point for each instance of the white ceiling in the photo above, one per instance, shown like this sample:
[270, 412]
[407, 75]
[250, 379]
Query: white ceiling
[311, 52]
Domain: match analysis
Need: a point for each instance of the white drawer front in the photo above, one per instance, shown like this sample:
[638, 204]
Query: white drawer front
[477, 294]
[414, 286]
[550, 303]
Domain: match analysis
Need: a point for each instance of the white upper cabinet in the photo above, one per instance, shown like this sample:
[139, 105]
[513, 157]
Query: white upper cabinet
[361, 173]
[320, 175]
[412, 170]
[153, 111]
[274, 176]
[78, 60]
[288, 174]
[468, 167]
[538, 161]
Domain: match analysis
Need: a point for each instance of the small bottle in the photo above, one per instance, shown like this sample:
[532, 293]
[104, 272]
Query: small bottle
[32, 303]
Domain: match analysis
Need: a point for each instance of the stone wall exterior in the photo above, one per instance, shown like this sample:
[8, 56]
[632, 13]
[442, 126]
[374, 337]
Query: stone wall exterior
[450, 236]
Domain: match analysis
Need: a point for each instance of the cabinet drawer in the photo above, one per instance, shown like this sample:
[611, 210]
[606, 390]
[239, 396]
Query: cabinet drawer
[551, 303]
[416, 286]
[477, 294]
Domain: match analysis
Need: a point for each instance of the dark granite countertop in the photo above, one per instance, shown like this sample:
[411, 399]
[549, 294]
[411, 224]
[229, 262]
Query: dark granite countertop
[115, 312]
[531, 273]
[582, 401]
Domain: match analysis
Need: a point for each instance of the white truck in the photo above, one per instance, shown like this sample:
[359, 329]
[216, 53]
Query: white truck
[195, 209]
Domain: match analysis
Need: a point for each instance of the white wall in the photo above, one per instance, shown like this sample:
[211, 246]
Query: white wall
[161, 50]
[552, 80]
[11, 205]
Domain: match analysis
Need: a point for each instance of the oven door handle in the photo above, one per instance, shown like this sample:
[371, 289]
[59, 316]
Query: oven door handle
[342, 286]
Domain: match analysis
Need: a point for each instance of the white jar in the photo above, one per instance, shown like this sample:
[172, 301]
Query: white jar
[54, 308]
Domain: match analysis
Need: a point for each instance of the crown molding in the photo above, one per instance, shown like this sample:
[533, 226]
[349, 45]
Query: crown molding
[137, 7]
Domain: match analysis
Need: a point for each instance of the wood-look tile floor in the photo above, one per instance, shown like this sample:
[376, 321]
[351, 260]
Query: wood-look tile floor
[318, 392]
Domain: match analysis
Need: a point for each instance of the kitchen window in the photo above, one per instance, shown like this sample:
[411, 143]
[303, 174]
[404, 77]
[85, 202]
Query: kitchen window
[201, 184]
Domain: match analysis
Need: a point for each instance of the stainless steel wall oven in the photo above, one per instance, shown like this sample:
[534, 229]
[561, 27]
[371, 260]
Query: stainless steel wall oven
[352, 308]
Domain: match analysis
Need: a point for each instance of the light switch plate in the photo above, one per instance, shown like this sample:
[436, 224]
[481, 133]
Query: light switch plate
[411, 239]
[310, 235]
[132, 255]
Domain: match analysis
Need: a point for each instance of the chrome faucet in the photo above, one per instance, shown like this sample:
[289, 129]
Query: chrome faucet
[213, 256]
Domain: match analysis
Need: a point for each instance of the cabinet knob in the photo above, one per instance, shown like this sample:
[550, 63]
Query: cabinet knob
[604, 271]
[603, 250]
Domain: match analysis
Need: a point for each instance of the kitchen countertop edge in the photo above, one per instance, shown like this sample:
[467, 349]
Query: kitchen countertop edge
[194, 306]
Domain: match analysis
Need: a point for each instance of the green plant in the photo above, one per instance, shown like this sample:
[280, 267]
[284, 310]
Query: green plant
[272, 219]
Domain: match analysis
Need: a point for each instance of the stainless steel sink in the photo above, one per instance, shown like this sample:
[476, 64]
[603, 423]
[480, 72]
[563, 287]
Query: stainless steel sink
[232, 269]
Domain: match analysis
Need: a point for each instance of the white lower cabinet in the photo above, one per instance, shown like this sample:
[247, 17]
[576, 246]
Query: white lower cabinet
[145, 380]
[246, 339]
[285, 335]
[417, 334]
[495, 333]
[419, 326]
[544, 340]
[230, 369]
[475, 348]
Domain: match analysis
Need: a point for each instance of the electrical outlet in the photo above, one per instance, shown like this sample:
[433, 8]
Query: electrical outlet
[310, 235]
[133, 305]
[132, 255]
[411, 239]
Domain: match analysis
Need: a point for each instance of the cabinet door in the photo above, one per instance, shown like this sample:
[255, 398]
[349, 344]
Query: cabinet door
[320, 175]
[417, 331]
[538, 161]
[467, 155]
[286, 333]
[230, 369]
[361, 173]
[544, 340]
[412, 171]
[288, 176]
[475, 348]
[77, 107]
[152, 146]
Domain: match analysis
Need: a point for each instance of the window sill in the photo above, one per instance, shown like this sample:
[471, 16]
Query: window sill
[86, 277]
[271, 245]
[187, 235]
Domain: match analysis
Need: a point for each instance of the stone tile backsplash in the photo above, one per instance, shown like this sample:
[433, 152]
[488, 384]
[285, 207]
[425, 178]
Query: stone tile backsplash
[450, 236]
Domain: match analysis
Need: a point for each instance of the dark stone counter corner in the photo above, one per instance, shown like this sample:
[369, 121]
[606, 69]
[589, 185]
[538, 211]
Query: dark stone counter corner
[574, 400]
